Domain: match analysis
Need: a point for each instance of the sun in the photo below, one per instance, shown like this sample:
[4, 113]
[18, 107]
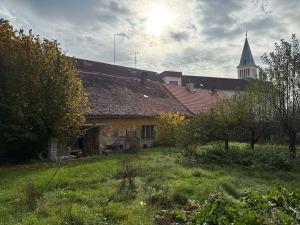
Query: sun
[158, 18]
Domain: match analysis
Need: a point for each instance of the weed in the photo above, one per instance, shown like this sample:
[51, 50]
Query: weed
[32, 194]
[161, 197]
[197, 173]
[127, 174]
[277, 206]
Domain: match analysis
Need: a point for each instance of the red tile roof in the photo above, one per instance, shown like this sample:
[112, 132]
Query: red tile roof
[197, 100]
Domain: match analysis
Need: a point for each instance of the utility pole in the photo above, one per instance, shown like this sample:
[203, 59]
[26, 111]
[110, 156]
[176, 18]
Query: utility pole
[114, 48]
[135, 58]
[120, 34]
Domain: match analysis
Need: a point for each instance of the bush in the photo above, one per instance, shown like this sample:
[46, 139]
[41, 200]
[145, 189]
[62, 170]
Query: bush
[23, 149]
[262, 157]
[278, 206]
[168, 129]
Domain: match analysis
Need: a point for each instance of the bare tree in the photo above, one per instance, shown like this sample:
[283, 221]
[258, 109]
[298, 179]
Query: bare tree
[281, 85]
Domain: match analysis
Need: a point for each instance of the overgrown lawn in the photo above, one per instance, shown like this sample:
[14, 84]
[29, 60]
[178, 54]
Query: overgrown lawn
[97, 190]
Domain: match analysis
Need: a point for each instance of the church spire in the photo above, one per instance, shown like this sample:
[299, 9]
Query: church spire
[247, 67]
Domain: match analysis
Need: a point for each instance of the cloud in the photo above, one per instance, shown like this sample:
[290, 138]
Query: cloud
[206, 37]
[218, 18]
[179, 36]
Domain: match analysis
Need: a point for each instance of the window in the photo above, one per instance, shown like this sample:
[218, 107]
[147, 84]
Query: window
[147, 131]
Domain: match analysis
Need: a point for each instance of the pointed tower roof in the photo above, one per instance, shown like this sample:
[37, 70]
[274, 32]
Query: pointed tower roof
[246, 58]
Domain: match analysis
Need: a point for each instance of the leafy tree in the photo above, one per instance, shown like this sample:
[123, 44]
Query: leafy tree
[281, 85]
[169, 127]
[216, 124]
[223, 123]
[253, 114]
[41, 95]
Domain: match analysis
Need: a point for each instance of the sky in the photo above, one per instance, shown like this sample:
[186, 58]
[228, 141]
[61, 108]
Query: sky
[197, 37]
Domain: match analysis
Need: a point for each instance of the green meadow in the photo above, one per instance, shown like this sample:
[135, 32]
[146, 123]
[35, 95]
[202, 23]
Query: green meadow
[123, 188]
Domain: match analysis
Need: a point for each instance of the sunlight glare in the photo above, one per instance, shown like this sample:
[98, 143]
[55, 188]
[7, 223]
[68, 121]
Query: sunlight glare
[158, 18]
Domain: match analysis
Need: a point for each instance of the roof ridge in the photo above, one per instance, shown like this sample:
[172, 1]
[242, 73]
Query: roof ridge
[97, 62]
[110, 75]
[210, 77]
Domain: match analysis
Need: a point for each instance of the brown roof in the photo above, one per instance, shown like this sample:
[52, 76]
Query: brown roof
[216, 83]
[126, 96]
[110, 69]
[197, 100]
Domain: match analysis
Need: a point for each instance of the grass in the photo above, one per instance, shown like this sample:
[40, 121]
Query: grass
[86, 191]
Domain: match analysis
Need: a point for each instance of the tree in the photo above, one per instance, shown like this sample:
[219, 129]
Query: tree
[281, 85]
[214, 125]
[41, 94]
[252, 112]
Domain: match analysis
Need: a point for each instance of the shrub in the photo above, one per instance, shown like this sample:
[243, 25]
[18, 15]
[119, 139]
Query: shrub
[168, 129]
[262, 157]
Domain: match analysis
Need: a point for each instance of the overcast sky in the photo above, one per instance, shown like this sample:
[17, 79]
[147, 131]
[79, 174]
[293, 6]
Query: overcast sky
[197, 37]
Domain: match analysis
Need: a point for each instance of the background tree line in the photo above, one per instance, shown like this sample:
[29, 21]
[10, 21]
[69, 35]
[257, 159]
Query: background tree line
[270, 106]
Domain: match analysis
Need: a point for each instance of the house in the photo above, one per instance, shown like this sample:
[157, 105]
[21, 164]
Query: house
[126, 102]
[125, 105]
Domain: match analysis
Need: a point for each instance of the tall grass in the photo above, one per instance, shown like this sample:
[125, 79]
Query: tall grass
[87, 191]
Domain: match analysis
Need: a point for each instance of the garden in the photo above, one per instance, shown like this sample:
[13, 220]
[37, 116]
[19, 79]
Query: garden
[156, 186]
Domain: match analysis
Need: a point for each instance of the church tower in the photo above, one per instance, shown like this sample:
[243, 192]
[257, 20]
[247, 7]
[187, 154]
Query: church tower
[247, 68]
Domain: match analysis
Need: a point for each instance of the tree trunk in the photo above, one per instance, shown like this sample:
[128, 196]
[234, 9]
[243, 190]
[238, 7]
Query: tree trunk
[253, 141]
[226, 144]
[292, 143]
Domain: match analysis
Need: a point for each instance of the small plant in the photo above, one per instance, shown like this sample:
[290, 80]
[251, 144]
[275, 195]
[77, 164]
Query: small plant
[163, 217]
[277, 206]
[71, 218]
[127, 175]
[161, 197]
[32, 194]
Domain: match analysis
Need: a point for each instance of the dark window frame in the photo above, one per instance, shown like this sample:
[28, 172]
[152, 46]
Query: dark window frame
[147, 132]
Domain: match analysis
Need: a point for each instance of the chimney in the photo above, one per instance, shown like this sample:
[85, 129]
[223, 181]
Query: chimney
[143, 77]
[190, 86]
